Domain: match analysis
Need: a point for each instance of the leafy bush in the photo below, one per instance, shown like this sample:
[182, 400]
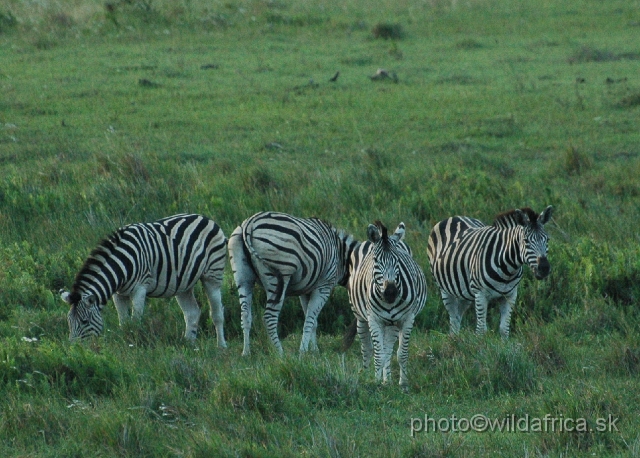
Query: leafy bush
[30, 276]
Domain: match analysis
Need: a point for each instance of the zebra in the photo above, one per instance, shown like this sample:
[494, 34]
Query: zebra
[164, 258]
[290, 256]
[475, 263]
[387, 289]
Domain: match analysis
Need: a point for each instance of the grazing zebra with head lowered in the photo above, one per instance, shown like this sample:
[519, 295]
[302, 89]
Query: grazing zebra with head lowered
[387, 289]
[161, 259]
[475, 263]
[291, 256]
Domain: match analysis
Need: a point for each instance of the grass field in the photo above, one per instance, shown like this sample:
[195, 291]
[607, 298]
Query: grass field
[130, 110]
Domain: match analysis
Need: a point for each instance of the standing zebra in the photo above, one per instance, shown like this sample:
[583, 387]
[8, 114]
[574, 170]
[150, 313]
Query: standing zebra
[161, 259]
[291, 257]
[475, 263]
[387, 289]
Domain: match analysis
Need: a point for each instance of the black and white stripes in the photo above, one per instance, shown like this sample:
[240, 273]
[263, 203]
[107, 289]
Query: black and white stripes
[291, 256]
[474, 263]
[161, 259]
[307, 258]
[387, 289]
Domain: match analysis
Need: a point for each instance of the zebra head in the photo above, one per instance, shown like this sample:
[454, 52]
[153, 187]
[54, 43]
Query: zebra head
[85, 317]
[386, 271]
[535, 246]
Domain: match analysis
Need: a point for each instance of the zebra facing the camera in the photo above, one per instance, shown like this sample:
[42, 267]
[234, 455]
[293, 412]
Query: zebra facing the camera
[165, 258]
[387, 289]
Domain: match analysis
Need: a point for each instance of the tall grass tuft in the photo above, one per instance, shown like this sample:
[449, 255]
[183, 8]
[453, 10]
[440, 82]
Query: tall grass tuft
[576, 162]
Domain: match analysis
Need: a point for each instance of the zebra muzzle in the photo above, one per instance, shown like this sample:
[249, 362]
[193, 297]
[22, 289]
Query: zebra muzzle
[390, 292]
[542, 268]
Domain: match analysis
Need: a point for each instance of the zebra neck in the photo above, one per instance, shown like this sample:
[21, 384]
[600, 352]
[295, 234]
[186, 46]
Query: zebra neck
[512, 255]
[506, 221]
[98, 285]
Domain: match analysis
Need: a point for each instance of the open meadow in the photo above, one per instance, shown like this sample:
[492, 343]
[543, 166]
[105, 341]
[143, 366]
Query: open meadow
[121, 111]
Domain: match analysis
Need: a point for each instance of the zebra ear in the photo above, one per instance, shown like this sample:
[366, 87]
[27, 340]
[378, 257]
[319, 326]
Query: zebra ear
[65, 295]
[521, 217]
[373, 233]
[545, 216]
[399, 233]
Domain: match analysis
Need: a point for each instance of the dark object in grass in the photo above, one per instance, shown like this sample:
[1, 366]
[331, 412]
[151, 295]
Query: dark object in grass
[7, 20]
[589, 54]
[335, 77]
[384, 75]
[209, 67]
[388, 31]
[630, 101]
[613, 81]
[147, 83]
[302, 89]
[468, 44]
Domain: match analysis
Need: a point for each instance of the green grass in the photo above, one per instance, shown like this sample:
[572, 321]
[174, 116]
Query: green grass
[126, 111]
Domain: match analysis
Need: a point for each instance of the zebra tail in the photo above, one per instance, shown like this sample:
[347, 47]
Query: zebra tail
[349, 335]
[246, 235]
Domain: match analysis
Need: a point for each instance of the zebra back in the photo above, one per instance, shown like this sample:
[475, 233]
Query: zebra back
[309, 250]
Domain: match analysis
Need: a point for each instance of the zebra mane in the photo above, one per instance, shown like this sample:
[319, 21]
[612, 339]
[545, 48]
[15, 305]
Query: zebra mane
[508, 219]
[105, 247]
[384, 232]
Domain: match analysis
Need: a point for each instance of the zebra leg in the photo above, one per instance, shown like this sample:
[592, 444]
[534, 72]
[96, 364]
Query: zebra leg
[482, 303]
[317, 299]
[390, 337]
[244, 277]
[276, 287]
[377, 338]
[191, 311]
[365, 342]
[138, 298]
[505, 313]
[313, 343]
[452, 305]
[123, 307]
[212, 288]
[403, 349]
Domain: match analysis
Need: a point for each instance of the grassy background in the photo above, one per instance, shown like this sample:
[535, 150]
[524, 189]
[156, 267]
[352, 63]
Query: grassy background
[131, 110]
